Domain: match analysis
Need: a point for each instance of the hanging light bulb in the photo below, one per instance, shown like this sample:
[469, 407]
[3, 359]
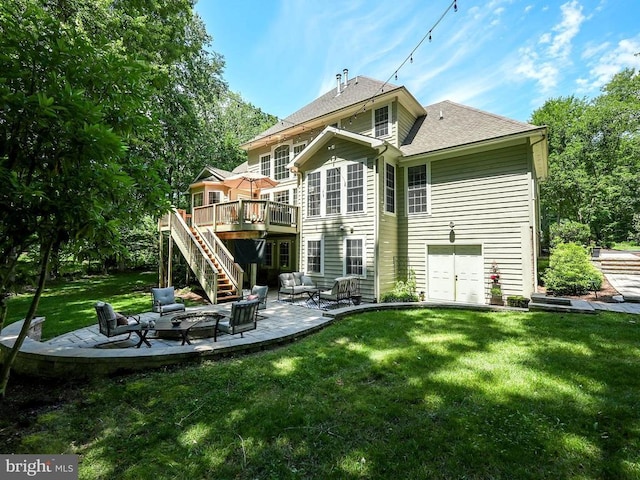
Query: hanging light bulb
[455, 5]
[411, 58]
[396, 75]
[429, 37]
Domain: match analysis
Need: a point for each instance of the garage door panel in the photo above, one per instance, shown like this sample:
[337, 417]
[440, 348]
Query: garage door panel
[455, 273]
[469, 287]
[441, 279]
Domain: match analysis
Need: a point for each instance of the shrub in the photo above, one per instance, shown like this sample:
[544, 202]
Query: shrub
[569, 231]
[634, 234]
[403, 291]
[570, 271]
[517, 301]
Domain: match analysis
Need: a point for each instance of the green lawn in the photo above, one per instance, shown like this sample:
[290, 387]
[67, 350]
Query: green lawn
[437, 394]
[68, 305]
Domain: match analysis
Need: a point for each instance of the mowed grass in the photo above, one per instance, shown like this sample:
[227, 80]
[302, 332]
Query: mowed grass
[68, 305]
[418, 394]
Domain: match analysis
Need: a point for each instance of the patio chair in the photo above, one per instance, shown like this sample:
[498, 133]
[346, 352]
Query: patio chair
[259, 292]
[113, 324]
[165, 301]
[243, 318]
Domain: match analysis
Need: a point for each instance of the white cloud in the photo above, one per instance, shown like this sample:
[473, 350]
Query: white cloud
[567, 29]
[610, 62]
[530, 66]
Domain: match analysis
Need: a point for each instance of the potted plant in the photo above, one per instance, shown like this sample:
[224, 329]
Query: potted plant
[496, 288]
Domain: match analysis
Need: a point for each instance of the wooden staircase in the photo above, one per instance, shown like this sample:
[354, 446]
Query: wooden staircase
[226, 290]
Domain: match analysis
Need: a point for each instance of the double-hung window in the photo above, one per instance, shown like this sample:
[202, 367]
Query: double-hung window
[333, 191]
[281, 197]
[355, 188]
[313, 194]
[215, 197]
[281, 158]
[268, 254]
[298, 148]
[354, 256]
[265, 165]
[284, 254]
[381, 122]
[389, 188]
[417, 189]
[314, 256]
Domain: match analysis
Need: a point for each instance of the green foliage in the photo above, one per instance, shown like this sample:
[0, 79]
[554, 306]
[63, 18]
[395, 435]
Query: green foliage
[569, 231]
[517, 301]
[634, 233]
[496, 290]
[570, 271]
[420, 394]
[594, 159]
[68, 305]
[403, 291]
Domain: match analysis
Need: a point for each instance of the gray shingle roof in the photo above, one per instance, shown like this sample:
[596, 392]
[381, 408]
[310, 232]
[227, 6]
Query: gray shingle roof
[358, 90]
[459, 125]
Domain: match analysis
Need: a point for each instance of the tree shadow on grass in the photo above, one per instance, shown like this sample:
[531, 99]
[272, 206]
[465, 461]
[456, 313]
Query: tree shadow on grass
[420, 394]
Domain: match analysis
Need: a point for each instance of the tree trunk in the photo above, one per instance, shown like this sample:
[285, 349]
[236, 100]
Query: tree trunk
[8, 361]
[5, 281]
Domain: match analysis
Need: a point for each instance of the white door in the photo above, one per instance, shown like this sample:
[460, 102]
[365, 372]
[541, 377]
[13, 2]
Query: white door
[441, 273]
[454, 273]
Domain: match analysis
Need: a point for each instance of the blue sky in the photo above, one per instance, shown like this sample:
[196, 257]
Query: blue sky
[503, 56]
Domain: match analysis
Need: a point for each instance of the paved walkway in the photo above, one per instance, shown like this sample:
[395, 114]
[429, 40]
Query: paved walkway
[628, 286]
[75, 354]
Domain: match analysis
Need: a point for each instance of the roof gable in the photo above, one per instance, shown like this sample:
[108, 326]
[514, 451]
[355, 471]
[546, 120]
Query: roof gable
[211, 174]
[331, 132]
[358, 91]
[448, 124]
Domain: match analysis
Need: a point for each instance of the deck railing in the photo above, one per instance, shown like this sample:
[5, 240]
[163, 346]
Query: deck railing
[224, 258]
[246, 214]
[198, 260]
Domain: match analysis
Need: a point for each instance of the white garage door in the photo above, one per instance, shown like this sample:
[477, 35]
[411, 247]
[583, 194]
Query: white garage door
[454, 273]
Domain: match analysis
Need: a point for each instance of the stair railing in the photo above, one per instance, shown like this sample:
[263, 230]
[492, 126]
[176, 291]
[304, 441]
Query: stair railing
[227, 263]
[202, 266]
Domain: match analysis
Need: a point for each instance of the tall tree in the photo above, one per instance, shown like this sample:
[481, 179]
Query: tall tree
[80, 85]
[594, 146]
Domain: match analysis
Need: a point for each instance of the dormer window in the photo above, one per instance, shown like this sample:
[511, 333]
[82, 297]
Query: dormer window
[381, 121]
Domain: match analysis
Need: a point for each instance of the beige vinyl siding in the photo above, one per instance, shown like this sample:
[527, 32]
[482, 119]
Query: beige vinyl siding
[405, 122]
[254, 157]
[363, 122]
[329, 226]
[487, 195]
[359, 123]
[387, 234]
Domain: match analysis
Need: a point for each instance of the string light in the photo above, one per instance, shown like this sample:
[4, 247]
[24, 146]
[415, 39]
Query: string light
[409, 58]
[454, 5]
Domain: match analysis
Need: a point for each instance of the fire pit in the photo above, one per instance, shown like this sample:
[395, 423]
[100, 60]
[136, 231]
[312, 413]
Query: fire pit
[199, 324]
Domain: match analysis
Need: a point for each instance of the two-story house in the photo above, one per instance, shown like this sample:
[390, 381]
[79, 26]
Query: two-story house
[382, 185]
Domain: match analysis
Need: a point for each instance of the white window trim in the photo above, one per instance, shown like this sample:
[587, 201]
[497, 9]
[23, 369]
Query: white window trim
[306, 199]
[364, 255]
[343, 189]
[314, 238]
[389, 122]
[270, 163]
[395, 189]
[294, 146]
[406, 183]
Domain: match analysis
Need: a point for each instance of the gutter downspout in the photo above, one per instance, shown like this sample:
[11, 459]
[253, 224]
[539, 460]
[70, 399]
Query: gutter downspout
[376, 223]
